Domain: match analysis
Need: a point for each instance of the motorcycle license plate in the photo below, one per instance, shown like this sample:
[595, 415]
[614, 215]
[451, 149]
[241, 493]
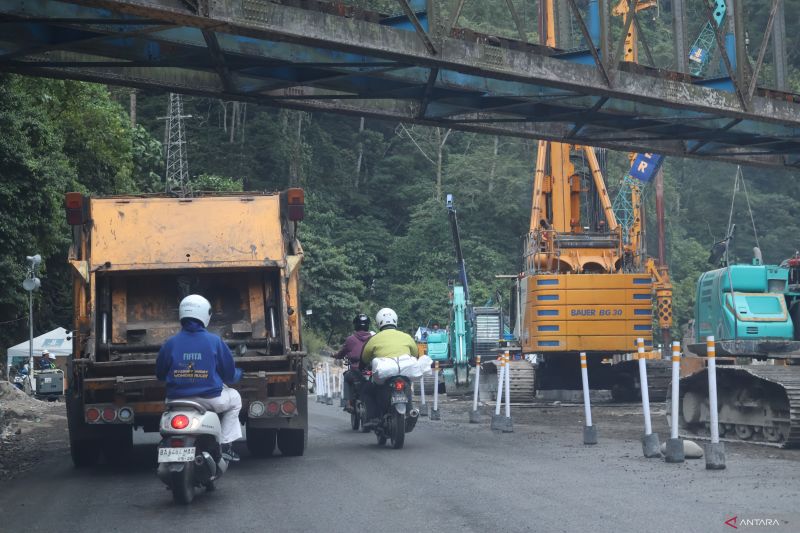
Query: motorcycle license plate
[175, 455]
[399, 398]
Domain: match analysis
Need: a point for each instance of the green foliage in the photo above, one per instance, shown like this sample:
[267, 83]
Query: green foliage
[56, 136]
[210, 182]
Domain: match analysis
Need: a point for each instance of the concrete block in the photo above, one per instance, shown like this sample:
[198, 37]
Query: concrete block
[715, 456]
[435, 415]
[498, 421]
[423, 410]
[651, 446]
[474, 417]
[328, 400]
[508, 425]
[589, 435]
[673, 451]
[342, 402]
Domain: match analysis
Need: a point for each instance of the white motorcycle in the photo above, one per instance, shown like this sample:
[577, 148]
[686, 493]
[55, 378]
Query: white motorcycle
[189, 454]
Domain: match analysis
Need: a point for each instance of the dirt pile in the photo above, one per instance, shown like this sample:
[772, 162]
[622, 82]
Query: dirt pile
[27, 427]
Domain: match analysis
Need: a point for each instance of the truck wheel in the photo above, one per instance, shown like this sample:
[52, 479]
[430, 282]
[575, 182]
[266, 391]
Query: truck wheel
[117, 443]
[292, 442]
[83, 446]
[260, 441]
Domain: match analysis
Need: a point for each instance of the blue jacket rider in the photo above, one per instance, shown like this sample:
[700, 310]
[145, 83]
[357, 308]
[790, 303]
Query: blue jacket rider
[196, 365]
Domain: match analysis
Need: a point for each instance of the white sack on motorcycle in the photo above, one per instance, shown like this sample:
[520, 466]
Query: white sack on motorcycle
[385, 367]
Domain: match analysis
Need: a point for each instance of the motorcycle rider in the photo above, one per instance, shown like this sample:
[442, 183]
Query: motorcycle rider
[197, 365]
[388, 342]
[351, 351]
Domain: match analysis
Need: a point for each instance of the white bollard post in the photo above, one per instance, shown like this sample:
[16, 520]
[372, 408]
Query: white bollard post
[651, 447]
[474, 415]
[674, 452]
[423, 406]
[497, 421]
[589, 431]
[508, 426]
[715, 451]
[317, 384]
[435, 411]
[328, 385]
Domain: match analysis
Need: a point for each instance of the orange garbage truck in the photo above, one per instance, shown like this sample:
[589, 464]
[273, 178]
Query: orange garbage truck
[133, 259]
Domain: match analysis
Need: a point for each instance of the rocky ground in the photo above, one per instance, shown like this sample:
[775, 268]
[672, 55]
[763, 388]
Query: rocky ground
[29, 429]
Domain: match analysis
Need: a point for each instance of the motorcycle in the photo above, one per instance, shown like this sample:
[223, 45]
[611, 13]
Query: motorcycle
[189, 454]
[399, 415]
[357, 409]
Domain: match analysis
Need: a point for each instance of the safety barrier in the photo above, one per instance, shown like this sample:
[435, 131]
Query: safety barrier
[503, 423]
[435, 411]
[589, 431]
[674, 449]
[650, 444]
[474, 414]
[715, 450]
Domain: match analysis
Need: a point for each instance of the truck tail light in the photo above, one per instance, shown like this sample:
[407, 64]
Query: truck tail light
[77, 206]
[109, 414]
[125, 414]
[288, 407]
[295, 202]
[92, 415]
[273, 408]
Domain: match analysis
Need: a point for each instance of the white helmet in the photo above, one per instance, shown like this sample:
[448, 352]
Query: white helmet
[195, 306]
[386, 317]
[45, 353]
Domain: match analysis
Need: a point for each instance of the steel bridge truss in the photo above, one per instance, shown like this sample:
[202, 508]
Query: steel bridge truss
[414, 67]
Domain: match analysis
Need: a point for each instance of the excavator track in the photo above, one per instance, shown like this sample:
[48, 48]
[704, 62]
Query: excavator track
[523, 382]
[628, 388]
[756, 403]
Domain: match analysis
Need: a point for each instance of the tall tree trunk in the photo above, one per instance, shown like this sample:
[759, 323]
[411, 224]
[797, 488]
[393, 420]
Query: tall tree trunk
[133, 108]
[234, 114]
[360, 153]
[440, 142]
[296, 166]
[494, 163]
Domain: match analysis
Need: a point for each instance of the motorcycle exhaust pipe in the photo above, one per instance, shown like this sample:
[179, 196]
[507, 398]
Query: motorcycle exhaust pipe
[414, 413]
[222, 466]
[205, 468]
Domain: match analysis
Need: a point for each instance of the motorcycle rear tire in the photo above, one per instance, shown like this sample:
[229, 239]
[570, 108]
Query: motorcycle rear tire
[355, 420]
[382, 440]
[182, 484]
[398, 430]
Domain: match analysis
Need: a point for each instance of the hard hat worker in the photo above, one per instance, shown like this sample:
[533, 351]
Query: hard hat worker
[47, 361]
[197, 365]
[388, 342]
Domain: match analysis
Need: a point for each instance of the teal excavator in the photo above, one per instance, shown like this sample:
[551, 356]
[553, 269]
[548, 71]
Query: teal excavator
[472, 330]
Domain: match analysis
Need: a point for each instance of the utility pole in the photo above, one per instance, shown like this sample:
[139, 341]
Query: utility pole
[30, 284]
[177, 172]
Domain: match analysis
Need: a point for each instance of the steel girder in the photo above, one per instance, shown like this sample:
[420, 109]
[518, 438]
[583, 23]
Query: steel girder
[265, 52]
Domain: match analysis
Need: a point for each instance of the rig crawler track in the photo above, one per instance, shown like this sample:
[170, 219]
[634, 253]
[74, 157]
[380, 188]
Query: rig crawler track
[759, 404]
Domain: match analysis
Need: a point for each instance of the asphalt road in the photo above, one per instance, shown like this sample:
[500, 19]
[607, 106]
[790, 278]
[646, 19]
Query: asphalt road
[451, 476]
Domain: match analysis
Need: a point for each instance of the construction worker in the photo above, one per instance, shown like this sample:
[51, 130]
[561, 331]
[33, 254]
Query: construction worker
[47, 361]
[388, 342]
[351, 352]
[197, 365]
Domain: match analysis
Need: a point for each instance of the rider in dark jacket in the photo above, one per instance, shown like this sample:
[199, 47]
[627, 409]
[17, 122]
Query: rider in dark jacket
[351, 353]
